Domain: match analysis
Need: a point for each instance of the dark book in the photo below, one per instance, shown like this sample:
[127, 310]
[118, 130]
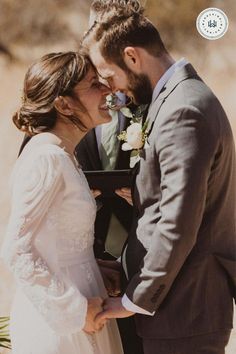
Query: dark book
[108, 181]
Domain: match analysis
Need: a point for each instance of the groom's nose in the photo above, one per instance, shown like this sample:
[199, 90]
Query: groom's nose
[104, 82]
[105, 90]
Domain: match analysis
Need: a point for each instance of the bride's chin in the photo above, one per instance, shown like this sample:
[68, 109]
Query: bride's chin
[107, 119]
[103, 120]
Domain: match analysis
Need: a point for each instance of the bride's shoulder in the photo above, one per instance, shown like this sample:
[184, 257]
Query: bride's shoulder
[40, 157]
[38, 147]
[40, 167]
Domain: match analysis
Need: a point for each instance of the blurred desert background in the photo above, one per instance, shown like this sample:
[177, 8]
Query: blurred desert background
[31, 28]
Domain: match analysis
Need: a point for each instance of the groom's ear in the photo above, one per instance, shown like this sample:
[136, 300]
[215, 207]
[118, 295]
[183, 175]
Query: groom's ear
[132, 59]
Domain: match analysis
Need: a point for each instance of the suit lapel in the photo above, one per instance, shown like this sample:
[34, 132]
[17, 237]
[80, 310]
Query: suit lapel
[92, 149]
[91, 143]
[124, 122]
[153, 111]
[123, 158]
[182, 74]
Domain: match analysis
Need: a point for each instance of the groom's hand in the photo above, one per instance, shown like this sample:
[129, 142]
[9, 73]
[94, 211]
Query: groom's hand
[113, 308]
[126, 194]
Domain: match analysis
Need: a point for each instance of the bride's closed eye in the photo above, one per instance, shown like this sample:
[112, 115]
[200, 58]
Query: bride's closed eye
[99, 86]
[96, 84]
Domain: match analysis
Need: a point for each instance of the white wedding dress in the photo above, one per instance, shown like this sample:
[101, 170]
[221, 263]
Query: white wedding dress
[49, 247]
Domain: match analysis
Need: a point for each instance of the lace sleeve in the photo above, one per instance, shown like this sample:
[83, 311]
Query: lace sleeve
[34, 189]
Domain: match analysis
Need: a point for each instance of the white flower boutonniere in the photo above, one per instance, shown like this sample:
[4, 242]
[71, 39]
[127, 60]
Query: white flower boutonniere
[135, 136]
[135, 139]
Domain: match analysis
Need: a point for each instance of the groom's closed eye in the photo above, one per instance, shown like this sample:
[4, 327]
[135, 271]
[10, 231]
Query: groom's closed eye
[106, 81]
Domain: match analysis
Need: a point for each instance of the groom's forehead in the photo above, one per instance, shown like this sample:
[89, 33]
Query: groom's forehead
[105, 73]
[97, 57]
[104, 69]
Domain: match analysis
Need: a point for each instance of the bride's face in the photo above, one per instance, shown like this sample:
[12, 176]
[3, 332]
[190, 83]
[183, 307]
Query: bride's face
[91, 94]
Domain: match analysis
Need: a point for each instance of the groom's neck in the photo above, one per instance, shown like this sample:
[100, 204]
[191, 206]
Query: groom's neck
[157, 66]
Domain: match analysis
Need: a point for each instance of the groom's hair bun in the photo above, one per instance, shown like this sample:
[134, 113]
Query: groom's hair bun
[104, 7]
[119, 24]
[104, 12]
[53, 75]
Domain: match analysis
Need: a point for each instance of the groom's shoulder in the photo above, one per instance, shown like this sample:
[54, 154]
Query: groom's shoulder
[192, 92]
[190, 97]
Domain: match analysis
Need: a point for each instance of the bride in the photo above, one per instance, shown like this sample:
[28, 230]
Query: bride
[49, 241]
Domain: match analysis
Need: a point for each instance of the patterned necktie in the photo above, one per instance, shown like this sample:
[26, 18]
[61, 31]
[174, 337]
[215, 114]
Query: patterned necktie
[109, 142]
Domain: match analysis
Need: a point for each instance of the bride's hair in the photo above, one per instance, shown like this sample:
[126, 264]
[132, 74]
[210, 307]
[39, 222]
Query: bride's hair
[55, 74]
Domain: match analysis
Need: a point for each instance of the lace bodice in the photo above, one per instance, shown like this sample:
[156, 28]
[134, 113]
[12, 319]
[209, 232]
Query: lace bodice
[52, 219]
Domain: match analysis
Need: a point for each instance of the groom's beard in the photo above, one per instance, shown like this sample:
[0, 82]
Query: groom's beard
[140, 86]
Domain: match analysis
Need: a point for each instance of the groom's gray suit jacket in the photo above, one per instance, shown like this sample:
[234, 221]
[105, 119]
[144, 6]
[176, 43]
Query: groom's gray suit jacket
[181, 253]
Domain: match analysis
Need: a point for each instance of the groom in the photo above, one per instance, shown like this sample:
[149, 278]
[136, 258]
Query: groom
[180, 256]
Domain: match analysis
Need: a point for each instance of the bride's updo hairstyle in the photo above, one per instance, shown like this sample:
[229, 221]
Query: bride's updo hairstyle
[54, 75]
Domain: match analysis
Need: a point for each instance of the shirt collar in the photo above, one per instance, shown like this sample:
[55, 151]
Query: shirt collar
[166, 77]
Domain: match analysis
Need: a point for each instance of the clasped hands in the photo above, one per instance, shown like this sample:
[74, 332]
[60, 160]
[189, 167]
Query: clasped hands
[100, 311]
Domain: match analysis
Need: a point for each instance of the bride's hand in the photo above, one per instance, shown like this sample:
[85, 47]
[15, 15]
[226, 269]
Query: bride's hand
[94, 307]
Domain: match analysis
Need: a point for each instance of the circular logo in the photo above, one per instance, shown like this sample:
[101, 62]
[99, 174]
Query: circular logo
[212, 23]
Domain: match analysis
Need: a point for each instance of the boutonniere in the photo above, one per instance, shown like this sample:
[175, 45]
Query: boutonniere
[135, 136]
[135, 139]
